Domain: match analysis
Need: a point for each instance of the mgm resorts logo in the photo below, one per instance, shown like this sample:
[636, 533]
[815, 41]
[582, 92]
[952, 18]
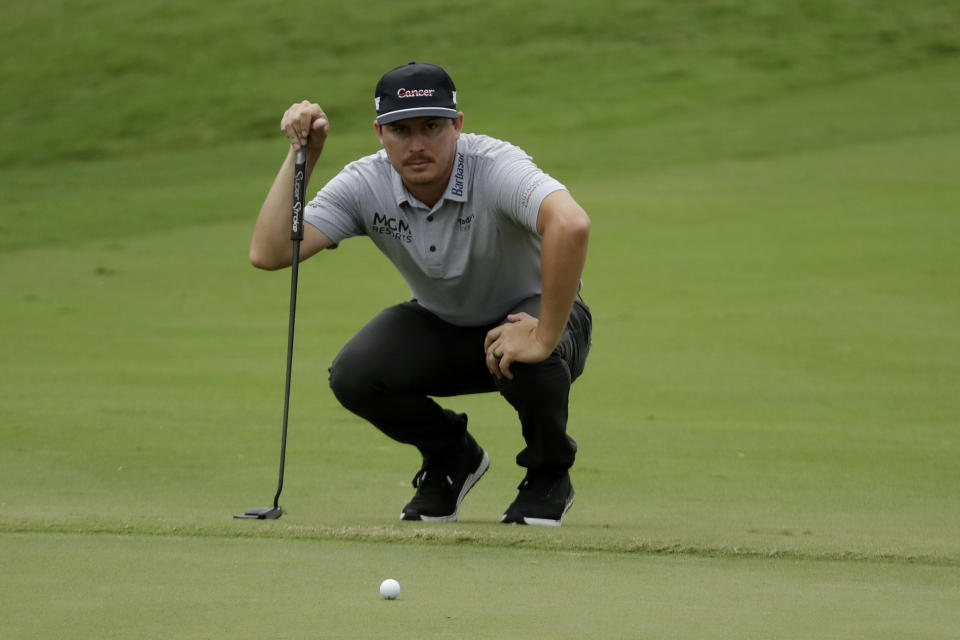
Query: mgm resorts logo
[393, 227]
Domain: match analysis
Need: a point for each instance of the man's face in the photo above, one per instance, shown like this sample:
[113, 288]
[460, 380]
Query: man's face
[422, 149]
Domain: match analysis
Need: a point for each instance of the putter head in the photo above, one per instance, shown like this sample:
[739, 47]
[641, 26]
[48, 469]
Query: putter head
[261, 513]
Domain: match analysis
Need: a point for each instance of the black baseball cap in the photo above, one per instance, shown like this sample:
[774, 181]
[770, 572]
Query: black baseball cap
[415, 90]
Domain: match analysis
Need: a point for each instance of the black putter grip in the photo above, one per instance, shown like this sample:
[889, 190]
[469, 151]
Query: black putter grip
[299, 194]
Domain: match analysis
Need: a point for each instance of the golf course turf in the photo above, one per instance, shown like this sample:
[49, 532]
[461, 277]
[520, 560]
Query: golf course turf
[768, 425]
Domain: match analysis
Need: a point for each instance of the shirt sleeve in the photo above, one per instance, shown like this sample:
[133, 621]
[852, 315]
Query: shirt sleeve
[521, 186]
[335, 210]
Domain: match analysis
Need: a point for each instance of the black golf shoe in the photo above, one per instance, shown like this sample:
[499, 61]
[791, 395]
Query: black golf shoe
[443, 482]
[543, 498]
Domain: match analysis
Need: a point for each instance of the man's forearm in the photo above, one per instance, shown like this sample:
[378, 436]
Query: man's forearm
[271, 246]
[563, 254]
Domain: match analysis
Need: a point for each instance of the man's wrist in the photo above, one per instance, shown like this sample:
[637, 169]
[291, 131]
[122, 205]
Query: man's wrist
[549, 339]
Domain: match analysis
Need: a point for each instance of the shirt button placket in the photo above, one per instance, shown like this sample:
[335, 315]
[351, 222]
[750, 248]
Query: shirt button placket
[433, 242]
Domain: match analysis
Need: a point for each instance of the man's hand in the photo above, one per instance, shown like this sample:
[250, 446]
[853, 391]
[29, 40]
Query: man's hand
[305, 125]
[514, 341]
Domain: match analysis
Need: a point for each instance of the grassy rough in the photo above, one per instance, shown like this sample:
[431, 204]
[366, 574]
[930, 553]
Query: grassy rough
[114, 79]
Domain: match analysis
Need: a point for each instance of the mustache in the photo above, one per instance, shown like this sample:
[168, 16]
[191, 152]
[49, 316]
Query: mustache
[419, 157]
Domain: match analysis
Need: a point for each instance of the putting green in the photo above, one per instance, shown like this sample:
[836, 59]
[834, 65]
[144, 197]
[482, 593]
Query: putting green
[109, 586]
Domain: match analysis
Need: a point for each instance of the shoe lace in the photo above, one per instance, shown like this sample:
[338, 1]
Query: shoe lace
[428, 480]
[539, 483]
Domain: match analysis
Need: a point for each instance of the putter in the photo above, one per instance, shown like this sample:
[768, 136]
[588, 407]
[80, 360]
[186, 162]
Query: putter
[296, 234]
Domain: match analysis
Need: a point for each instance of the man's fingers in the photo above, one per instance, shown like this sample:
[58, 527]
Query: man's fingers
[493, 366]
[492, 337]
[300, 120]
[504, 365]
[319, 130]
[303, 126]
[499, 361]
[288, 128]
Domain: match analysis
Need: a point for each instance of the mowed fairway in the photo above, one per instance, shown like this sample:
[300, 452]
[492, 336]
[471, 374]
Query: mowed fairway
[769, 427]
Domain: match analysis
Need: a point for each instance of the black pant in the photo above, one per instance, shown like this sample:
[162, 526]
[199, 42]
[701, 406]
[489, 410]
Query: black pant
[388, 372]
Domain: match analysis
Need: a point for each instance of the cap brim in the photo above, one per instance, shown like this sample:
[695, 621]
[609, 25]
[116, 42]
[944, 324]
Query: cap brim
[421, 112]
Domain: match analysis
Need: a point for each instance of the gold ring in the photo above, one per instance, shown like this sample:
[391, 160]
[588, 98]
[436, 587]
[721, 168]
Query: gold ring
[496, 355]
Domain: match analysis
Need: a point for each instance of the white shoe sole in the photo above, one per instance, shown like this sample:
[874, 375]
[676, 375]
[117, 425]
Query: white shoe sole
[547, 522]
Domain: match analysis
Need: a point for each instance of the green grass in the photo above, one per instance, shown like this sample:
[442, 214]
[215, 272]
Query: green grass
[197, 588]
[768, 425]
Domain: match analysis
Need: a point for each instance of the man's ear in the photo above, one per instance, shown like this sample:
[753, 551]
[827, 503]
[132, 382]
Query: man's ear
[376, 127]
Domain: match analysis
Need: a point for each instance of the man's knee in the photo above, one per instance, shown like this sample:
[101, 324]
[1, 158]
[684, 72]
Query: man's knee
[547, 378]
[352, 381]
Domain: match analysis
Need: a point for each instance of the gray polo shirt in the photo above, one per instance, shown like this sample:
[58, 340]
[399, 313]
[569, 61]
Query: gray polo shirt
[473, 256]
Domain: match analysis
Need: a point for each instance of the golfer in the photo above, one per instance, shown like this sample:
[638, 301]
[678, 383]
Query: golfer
[492, 249]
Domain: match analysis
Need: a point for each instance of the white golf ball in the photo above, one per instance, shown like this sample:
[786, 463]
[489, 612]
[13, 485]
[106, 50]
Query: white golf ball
[390, 589]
